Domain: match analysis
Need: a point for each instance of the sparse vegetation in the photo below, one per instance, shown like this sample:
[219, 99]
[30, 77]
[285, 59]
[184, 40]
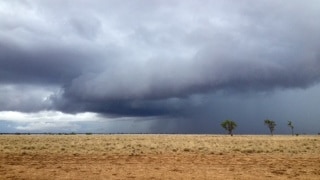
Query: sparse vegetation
[150, 144]
[143, 156]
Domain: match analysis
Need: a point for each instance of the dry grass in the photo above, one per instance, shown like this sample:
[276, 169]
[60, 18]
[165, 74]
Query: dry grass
[159, 156]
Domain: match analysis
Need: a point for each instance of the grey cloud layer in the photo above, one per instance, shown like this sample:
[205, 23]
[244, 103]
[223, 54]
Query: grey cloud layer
[25, 98]
[128, 58]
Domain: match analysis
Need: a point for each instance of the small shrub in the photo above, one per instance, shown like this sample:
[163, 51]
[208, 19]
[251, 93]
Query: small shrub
[236, 150]
[248, 151]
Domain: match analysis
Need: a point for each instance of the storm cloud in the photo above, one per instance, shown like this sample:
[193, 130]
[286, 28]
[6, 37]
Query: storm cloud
[166, 59]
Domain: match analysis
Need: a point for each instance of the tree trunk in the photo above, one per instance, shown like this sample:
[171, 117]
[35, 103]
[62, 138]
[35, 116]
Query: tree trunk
[230, 132]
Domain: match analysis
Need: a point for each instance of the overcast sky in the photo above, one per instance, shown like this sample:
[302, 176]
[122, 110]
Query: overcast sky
[159, 66]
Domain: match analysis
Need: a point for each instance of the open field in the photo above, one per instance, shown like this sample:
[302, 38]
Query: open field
[159, 157]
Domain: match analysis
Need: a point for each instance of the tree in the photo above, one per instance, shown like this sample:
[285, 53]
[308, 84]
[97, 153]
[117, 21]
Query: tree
[291, 126]
[271, 124]
[229, 125]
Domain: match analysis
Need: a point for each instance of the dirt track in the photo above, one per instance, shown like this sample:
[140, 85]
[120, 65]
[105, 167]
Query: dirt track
[181, 163]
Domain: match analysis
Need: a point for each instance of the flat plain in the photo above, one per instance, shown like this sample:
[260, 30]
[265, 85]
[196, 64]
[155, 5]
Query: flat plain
[159, 157]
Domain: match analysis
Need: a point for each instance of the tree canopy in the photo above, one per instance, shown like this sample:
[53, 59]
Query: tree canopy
[271, 125]
[229, 125]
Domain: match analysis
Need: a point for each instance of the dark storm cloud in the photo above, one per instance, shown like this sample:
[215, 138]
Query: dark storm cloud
[147, 58]
[48, 65]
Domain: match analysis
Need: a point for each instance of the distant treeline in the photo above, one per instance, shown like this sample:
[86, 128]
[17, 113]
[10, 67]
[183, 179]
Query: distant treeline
[89, 133]
[73, 133]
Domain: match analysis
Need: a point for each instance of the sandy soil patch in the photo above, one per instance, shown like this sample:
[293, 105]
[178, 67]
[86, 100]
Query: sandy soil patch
[159, 157]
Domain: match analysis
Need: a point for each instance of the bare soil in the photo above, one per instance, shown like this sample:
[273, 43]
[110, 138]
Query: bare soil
[159, 157]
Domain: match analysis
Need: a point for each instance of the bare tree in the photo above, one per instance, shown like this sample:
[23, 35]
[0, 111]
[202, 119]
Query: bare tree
[291, 126]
